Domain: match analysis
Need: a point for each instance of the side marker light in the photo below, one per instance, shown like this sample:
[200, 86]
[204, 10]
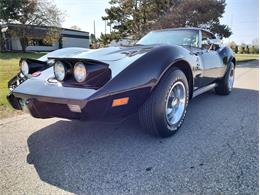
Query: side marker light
[120, 101]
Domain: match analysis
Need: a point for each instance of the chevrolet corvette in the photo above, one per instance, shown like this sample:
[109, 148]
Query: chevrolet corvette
[156, 77]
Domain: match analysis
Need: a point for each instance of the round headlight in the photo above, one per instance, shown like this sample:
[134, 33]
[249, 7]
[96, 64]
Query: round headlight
[80, 72]
[24, 67]
[59, 71]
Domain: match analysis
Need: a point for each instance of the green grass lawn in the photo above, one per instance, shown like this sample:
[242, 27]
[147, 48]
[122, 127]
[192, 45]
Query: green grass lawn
[246, 57]
[9, 67]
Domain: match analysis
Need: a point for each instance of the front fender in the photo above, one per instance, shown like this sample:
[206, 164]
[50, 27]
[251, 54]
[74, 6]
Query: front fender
[145, 72]
[227, 56]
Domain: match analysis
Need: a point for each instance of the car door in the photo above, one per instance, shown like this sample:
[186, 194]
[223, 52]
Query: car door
[209, 59]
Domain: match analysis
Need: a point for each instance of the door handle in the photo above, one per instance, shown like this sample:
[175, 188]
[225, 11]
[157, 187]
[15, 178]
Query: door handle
[198, 53]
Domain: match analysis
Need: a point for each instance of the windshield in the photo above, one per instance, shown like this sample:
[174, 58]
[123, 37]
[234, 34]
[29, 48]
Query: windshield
[176, 37]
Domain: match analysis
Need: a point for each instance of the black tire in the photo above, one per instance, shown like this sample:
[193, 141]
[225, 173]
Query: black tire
[152, 114]
[224, 87]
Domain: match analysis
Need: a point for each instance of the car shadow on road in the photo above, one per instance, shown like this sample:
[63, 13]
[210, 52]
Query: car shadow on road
[84, 157]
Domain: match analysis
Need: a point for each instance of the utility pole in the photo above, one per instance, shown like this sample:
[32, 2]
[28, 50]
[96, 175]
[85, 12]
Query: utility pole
[94, 28]
[105, 27]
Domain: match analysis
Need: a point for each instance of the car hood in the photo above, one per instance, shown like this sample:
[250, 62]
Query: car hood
[106, 55]
[117, 58]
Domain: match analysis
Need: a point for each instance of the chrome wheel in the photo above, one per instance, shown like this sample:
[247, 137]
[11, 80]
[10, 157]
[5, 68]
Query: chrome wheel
[231, 78]
[175, 103]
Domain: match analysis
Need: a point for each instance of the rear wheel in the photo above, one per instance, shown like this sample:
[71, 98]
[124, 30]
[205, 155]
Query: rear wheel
[225, 85]
[164, 111]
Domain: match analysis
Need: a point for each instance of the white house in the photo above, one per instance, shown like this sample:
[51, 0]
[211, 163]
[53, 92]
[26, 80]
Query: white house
[68, 38]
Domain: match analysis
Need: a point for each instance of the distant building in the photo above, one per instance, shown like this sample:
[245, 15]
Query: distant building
[68, 38]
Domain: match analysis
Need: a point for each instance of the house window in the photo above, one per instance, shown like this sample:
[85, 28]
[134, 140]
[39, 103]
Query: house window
[38, 42]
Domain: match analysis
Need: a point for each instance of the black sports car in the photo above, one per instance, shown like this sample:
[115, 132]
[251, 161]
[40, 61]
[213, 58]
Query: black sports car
[156, 77]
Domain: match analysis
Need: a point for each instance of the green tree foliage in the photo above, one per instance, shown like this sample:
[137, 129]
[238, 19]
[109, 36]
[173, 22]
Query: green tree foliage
[9, 10]
[255, 46]
[236, 49]
[241, 48]
[105, 39]
[246, 50]
[253, 49]
[137, 17]
[31, 12]
[233, 46]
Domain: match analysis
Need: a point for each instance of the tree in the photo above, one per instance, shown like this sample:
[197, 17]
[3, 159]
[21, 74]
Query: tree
[197, 13]
[137, 17]
[119, 15]
[52, 35]
[252, 50]
[220, 29]
[247, 49]
[236, 49]
[242, 48]
[255, 45]
[75, 27]
[28, 13]
[233, 46]
[9, 10]
[105, 39]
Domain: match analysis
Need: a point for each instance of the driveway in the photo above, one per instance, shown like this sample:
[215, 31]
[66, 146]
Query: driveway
[215, 151]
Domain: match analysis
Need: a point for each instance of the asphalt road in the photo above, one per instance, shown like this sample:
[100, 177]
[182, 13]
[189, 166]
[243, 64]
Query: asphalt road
[215, 151]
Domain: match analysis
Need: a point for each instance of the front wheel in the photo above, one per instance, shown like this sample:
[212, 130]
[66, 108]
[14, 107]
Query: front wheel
[225, 85]
[164, 111]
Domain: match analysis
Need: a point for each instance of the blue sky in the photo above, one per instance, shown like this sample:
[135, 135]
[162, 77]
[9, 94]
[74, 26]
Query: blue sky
[240, 15]
[243, 18]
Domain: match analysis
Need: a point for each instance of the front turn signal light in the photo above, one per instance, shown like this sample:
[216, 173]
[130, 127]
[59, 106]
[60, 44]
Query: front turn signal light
[120, 101]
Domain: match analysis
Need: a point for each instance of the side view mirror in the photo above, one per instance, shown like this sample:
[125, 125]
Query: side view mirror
[213, 41]
[210, 44]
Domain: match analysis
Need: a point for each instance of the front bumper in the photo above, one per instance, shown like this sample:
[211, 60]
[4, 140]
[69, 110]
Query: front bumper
[45, 100]
[52, 92]
[14, 102]
[12, 84]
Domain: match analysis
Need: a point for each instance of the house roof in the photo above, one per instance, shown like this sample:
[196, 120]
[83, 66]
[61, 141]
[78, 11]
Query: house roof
[43, 27]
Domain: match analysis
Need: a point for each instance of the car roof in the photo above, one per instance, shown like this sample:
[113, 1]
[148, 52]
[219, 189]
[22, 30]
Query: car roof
[183, 28]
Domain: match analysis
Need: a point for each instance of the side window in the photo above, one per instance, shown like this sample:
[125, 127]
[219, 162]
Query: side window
[205, 37]
[195, 40]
